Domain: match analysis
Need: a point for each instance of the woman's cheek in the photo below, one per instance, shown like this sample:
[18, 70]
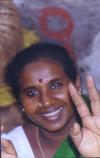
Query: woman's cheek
[29, 105]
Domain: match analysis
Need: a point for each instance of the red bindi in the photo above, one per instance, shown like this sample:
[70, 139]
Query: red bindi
[40, 80]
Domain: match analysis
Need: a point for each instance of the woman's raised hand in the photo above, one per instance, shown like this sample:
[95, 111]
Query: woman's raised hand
[87, 138]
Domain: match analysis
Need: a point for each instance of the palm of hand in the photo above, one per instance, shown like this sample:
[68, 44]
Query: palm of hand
[87, 138]
[90, 139]
[8, 149]
[5, 155]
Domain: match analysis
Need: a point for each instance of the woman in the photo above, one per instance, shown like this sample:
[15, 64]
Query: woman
[42, 78]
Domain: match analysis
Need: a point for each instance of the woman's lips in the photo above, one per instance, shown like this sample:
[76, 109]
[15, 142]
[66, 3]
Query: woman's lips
[54, 114]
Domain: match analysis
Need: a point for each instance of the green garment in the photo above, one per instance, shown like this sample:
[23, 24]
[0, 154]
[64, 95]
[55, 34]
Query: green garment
[66, 150]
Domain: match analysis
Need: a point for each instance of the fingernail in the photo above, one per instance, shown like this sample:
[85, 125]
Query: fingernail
[71, 85]
[89, 77]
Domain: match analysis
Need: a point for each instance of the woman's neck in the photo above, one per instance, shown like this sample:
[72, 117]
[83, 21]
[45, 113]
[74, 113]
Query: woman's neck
[57, 136]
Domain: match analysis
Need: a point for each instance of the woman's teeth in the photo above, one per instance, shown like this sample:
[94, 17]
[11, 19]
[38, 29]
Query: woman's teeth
[53, 114]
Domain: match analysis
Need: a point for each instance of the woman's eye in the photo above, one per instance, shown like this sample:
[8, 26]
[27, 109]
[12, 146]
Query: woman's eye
[33, 92]
[56, 85]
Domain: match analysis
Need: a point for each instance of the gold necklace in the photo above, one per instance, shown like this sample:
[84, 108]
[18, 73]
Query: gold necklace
[39, 144]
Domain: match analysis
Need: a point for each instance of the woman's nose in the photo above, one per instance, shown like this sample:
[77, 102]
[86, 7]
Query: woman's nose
[46, 99]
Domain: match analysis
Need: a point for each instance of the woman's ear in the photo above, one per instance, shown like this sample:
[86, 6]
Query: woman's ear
[78, 83]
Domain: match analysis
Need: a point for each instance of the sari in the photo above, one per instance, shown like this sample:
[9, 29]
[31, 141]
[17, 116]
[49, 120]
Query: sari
[67, 150]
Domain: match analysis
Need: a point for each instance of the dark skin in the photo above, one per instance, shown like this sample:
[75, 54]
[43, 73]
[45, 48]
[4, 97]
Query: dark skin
[47, 103]
[44, 93]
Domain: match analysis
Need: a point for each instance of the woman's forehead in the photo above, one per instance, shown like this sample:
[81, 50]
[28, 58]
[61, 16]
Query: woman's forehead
[42, 62]
[43, 70]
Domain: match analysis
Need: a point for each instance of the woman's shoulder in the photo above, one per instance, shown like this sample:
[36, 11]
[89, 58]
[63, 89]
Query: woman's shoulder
[16, 130]
[19, 139]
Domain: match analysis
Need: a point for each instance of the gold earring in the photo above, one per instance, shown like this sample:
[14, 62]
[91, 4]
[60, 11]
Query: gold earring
[23, 109]
[39, 104]
[80, 91]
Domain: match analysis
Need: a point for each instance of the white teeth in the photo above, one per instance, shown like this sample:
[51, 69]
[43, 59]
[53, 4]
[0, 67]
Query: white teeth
[53, 113]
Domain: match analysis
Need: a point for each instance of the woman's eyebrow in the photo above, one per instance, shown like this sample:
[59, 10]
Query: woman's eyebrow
[27, 88]
[56, 80]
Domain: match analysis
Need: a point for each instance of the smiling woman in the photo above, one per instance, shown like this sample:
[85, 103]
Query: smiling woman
[47, 103]
[41, 82]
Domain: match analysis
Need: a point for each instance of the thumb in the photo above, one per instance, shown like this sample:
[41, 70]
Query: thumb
[8, 147]
[76, 134]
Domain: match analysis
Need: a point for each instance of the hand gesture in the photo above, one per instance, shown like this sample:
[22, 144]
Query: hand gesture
[87, 138]
[7, 149]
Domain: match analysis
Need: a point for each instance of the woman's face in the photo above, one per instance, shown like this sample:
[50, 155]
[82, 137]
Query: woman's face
[44, 94]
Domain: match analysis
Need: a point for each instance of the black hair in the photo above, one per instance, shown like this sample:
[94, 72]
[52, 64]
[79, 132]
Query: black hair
[34, 53]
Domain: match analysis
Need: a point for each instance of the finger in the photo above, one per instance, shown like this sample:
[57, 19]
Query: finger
[2, 128]
[8, 147]
[76, 134]
[94, 96]
[78, 101]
